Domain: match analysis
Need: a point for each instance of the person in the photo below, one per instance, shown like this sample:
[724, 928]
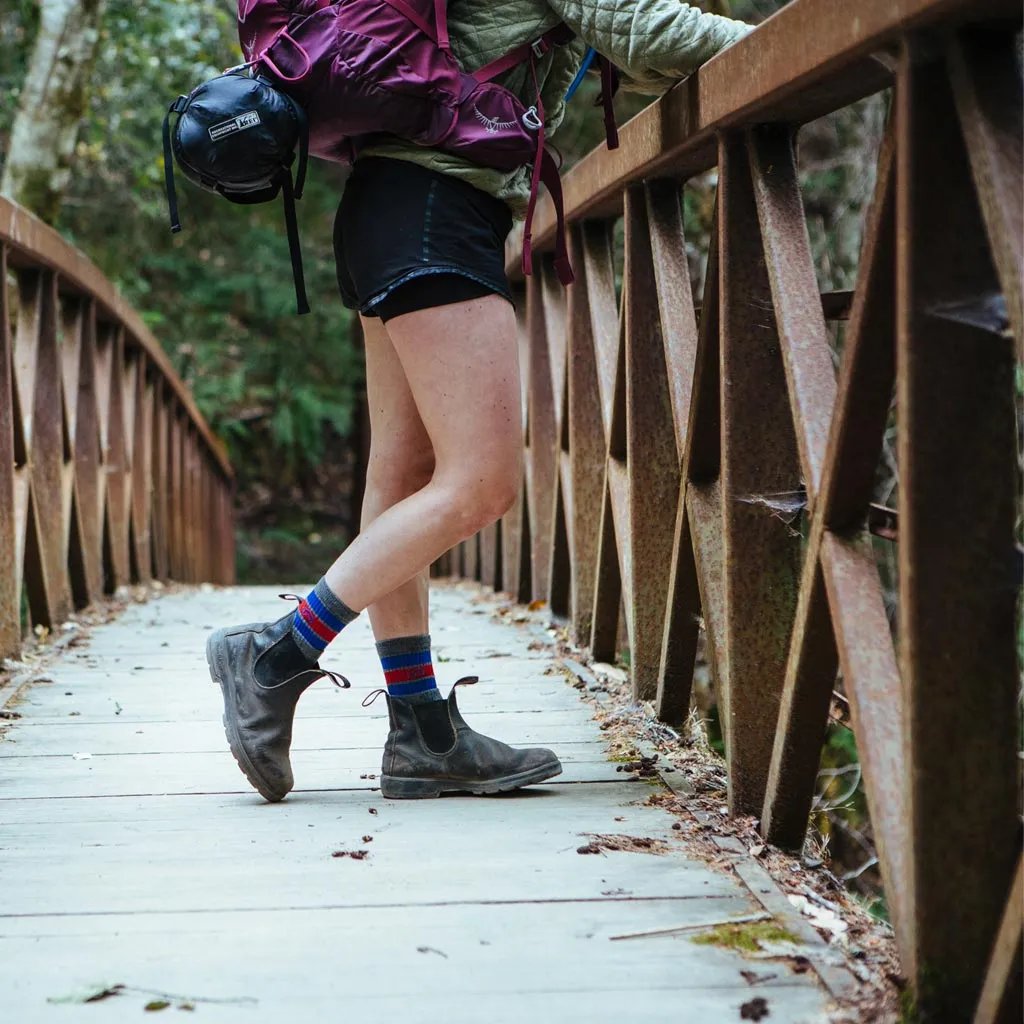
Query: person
[419, 242]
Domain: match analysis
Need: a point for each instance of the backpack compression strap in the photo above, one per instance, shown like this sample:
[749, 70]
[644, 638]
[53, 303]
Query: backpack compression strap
[557, 36]
[294, 249]
[172, 196]
[545, 168]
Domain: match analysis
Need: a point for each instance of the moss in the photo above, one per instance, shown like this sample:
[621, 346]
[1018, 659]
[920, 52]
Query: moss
[908, 1008]
[746, 938]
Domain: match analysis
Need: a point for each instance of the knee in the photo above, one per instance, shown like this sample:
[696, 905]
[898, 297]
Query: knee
[482, 498]
[393, 475]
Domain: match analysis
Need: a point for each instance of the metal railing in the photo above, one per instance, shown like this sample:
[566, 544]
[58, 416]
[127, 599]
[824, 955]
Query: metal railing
[108, 473]
[655, 437]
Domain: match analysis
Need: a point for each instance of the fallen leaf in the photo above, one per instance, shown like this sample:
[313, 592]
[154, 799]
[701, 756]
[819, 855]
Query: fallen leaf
[753, 978]
[589, 848]
[90, 995]
[755, 1009]
[354, 854]
[367, 839]
[626, 844]
[373, 810]
[156, 1004]
[535, 606]
[430, 949]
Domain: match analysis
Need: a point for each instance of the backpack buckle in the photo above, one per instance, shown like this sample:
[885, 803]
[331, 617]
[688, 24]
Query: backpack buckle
[540, 47]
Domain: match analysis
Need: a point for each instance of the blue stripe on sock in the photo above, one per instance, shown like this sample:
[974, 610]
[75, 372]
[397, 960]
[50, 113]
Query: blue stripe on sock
[307, 634]
[405, 660]
[323, 613]
[407, 689]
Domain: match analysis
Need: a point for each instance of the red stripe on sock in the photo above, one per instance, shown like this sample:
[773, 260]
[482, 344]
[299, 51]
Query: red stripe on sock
[317, 625]
[409, 675]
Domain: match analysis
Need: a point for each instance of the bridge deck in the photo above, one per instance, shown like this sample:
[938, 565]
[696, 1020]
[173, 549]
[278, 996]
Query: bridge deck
[150, 863]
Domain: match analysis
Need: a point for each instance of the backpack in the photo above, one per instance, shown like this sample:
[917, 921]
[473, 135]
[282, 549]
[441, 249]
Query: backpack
[361, 68]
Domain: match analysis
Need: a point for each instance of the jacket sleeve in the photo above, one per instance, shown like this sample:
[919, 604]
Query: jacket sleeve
[653, 42]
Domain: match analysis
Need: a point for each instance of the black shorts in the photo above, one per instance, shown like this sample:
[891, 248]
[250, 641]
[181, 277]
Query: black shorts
[408, 238]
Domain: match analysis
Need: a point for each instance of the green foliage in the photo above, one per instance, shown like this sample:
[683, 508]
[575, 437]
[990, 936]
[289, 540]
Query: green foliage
[281, 389]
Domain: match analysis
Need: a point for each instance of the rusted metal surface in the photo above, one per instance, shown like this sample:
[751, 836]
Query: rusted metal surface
[10, 561]
[591, 311]
[1003, 991]
[845, 479]
[957, 440]
[759, 467]
[787, 71]
[93, 490]
[652, 453]
[987, 86]
[717, 471]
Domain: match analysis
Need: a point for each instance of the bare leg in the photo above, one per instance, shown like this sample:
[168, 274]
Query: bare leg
[401, 463]
[462, 366]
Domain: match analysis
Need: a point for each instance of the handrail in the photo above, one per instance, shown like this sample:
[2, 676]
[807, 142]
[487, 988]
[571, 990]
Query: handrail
[718, 470]
[109, 474]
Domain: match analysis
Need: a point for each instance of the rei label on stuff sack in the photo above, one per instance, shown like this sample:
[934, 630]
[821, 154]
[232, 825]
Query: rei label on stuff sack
[237, 124]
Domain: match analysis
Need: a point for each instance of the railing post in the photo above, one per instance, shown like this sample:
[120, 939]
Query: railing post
[10, 565]
[759, 469]
[956, 453]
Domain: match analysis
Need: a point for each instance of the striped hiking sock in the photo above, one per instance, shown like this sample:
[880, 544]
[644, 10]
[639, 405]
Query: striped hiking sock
[319, 619]
[408, 671]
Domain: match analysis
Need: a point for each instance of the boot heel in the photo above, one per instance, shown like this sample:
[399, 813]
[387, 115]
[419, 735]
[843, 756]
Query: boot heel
[395, 788]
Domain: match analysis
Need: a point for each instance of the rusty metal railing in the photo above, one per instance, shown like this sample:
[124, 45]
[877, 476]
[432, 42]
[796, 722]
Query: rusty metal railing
[652, 433]
[108, 473]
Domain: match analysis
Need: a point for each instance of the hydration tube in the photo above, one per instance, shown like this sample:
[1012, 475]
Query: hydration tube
[584, 68]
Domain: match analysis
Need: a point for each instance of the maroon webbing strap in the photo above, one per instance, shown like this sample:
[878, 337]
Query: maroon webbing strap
[557, 36]
[545, 168]
[609, 86]
[441, 22]
[552, 178]
[416, 18]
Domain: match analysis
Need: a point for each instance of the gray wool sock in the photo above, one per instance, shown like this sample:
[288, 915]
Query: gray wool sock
[319, 619]
[408, 669]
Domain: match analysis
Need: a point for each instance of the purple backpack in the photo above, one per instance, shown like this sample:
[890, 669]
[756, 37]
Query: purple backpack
[364, 67]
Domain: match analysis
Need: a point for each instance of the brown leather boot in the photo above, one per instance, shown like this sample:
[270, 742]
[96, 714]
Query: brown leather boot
[262, 673]
[431, 750]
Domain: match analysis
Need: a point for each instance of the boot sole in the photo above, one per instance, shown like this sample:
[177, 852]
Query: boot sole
[248, 769]
[396, 788]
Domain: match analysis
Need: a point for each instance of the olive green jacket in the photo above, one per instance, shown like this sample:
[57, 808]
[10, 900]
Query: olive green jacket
[653, 43]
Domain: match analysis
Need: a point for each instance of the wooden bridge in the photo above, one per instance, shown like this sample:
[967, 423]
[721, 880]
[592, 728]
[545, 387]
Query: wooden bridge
[663, 431]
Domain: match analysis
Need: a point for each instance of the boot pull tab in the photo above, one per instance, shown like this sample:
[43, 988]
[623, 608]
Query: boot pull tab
[337, 678]
[290, 597]
[465, 681]
[371, 697]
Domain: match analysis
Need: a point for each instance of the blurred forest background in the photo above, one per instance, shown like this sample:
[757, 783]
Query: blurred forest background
[285, 392]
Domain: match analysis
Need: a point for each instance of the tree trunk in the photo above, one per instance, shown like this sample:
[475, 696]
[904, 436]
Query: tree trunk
[53, 103]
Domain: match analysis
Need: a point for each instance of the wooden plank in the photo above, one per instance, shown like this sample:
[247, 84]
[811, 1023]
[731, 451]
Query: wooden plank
[140, 858]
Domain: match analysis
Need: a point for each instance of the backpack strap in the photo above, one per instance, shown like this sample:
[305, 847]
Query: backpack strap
[609, 87]
[545, 169]
[441, 24]
[409, 11]
[172, 196]
[557, 36]
[294, 248]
